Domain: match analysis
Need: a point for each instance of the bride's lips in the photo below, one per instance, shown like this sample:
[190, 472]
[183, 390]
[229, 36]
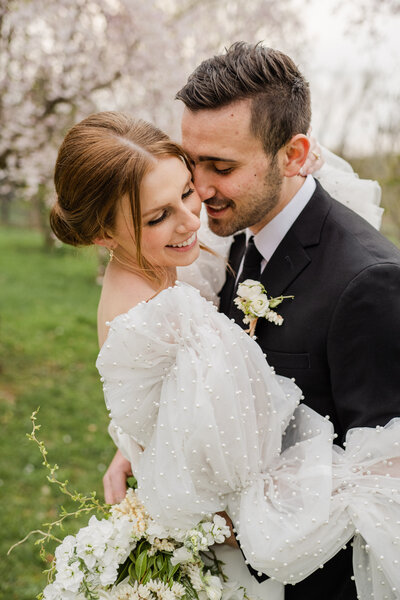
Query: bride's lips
[188, 247]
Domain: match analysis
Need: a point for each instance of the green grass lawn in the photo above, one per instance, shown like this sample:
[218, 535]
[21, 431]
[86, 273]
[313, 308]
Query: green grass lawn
[48, 348]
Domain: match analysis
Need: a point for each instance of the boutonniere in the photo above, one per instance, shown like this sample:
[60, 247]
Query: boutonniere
[253, 300]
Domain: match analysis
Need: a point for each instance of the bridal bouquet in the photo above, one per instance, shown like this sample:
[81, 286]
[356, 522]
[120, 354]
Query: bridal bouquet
[128, 556]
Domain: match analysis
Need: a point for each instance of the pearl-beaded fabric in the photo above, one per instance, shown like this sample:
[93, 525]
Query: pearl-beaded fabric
[221, 431]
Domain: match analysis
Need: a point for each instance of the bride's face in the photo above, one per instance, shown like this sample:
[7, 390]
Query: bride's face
[170, 216]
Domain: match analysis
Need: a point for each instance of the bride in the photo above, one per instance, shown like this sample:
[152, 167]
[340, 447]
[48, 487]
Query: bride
[205, 423]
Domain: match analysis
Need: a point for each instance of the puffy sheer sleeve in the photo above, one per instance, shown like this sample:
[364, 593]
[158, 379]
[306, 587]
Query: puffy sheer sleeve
[312, 502]
[342, 183]
[191, 388]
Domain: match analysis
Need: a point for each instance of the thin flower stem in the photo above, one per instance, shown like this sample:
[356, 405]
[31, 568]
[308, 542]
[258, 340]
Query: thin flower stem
[46, 535]
[87, 504]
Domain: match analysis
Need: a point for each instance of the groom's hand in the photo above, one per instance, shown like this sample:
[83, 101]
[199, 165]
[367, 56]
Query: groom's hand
[315, 159]
[114, 481]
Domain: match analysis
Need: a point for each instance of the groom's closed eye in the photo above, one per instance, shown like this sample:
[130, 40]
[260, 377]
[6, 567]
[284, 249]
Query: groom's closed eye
[223, 171]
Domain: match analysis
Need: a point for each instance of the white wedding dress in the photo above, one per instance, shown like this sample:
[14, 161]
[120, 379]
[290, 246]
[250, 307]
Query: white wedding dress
[221, 431]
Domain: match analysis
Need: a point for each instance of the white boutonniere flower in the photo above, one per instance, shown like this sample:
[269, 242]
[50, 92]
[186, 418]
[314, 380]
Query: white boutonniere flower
[253, 300]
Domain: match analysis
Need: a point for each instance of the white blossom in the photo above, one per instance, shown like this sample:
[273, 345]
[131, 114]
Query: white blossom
[273, 317]
[181, 555]
[250, 289]
[213, 587]
[260, 306]
[232, 591]
[220, 529]
[70, 577]
[196, 541]
[178, 589]
[155, 530]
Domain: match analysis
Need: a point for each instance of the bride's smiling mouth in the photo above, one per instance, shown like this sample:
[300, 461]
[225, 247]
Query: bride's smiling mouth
[186, 244]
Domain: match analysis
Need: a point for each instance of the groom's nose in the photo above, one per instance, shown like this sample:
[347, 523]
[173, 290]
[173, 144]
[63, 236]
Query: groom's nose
[203, 184]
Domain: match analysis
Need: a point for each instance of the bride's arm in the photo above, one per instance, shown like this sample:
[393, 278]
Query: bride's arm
[114, 480]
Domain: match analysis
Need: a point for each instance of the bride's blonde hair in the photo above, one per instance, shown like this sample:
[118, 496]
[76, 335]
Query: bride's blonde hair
[102, 159]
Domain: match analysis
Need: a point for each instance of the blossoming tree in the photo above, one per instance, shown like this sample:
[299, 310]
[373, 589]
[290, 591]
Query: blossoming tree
[61, 61]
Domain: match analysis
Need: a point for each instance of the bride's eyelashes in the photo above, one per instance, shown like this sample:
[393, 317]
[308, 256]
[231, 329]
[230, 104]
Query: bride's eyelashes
[166, 212]
[188, 193]
[164, 215]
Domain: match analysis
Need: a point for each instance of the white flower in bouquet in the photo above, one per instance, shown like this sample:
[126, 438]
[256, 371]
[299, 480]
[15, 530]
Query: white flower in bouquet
[181, 555]
[91, 541]
[220, 529]
[194, 572]
[56, 592]
[196, 541]
[233, 591]
[217, 530]
[178, 589]
[155, 530]
[104, 545]
[213, 587]
[135, 511]
[160, 546]
[122, 558]
[71, 575]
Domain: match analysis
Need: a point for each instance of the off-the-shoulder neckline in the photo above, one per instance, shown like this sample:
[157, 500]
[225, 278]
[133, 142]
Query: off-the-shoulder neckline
[177, 285]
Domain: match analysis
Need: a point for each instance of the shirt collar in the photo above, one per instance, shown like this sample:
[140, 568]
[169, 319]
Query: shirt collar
[268, 239]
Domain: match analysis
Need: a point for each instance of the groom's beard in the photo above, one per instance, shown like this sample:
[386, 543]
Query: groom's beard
[249, 209]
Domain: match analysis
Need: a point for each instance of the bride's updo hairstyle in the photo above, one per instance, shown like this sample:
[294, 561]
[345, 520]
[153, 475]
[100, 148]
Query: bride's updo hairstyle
[102, 159]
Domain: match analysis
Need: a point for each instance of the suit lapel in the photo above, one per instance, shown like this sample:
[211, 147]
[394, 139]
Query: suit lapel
[287, 262]
[291, 256]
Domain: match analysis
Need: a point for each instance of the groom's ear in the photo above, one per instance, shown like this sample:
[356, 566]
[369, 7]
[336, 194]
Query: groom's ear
[295, 154]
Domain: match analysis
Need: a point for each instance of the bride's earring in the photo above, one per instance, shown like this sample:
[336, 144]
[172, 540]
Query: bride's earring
[111, 254]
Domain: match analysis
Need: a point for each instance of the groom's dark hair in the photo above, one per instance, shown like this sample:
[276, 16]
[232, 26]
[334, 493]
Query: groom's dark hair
[280, 95]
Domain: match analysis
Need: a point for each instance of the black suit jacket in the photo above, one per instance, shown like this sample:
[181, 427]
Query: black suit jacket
[340, 338]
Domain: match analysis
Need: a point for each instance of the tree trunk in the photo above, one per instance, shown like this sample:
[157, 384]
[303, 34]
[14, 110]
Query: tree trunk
[41, 213]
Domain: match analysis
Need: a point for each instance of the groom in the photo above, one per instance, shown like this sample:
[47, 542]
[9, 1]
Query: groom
[245, 121]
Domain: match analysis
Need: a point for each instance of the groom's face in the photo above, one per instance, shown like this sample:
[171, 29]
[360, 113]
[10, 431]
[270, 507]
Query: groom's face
[239, 184]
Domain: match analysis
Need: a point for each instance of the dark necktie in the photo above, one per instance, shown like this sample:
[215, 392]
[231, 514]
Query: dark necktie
[251, 264]
[251, 270]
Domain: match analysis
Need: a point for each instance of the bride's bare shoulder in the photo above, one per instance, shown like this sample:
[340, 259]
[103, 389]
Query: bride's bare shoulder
[121, 291]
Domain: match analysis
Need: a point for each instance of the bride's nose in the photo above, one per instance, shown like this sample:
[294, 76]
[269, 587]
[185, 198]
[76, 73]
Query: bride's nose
[189, 222]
